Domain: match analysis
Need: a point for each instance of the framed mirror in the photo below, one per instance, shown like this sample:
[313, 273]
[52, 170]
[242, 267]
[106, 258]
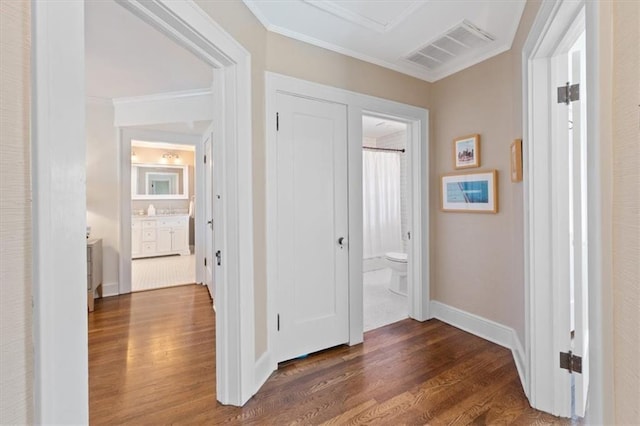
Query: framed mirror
[159, 182]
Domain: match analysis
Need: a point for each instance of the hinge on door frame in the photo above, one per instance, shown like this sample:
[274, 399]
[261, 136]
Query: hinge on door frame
[278, 322]
[571, 362]
[277, 121]
[205, 159]
[205, 261]
[219, 257]
[568, 93]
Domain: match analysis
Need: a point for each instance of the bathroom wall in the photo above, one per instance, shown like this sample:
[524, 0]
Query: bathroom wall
[103, 199]
[154, 156]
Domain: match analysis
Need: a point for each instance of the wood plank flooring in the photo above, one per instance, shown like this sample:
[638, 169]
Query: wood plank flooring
[152, 361]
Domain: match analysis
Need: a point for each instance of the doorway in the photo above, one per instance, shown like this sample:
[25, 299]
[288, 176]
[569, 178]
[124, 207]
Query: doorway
[163, 195]
[58, 144]
[559, 202]
[386, 217]
[355, 106]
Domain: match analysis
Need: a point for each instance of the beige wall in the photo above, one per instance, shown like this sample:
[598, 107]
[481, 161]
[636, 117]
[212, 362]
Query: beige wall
[16, 349]
[103, 185]
[477, 259]
[626, 210]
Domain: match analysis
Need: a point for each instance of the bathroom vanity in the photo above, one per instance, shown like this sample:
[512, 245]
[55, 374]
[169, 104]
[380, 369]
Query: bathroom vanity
[159, 235]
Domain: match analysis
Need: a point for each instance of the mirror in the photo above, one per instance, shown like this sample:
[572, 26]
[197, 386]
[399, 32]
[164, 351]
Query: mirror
[159, 182]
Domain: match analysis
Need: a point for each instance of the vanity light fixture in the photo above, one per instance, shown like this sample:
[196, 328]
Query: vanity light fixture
[170, 156]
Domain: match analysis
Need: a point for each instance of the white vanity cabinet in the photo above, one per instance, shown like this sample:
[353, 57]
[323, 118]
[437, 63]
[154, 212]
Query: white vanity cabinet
[159, 236]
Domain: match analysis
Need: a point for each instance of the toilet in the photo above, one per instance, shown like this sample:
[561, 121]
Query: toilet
[398, 264]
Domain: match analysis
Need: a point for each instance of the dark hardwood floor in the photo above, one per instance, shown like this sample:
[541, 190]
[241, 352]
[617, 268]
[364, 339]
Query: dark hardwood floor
[152, 361]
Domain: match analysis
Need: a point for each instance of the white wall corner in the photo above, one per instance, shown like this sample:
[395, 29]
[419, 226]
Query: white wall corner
[264, 367]
[484, 328]
[110, 289]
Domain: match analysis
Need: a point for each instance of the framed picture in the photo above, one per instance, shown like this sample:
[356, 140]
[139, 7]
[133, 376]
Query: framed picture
[466, 152]
[470, 192]
[516, 161]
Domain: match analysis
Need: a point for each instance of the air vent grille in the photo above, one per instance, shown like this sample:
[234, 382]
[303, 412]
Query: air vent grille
[458, 41]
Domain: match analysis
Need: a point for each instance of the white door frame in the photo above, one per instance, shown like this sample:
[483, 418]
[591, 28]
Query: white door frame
[126, 135]
[417, 120]
[59, 202]
[552, 22]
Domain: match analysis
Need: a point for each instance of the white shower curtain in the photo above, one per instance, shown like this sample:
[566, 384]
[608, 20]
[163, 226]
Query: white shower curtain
[381, 203]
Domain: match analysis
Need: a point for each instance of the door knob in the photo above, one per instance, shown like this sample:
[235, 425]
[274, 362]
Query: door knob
[342, 241]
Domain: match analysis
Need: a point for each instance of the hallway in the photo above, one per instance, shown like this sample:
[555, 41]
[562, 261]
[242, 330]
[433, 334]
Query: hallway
[152, 361]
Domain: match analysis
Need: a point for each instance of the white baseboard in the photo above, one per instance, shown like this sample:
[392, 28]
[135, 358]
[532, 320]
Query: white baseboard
[484, 328]
[110, 289]
[263, 369]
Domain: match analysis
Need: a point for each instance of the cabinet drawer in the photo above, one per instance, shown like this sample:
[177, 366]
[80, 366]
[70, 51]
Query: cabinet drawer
[166, 223]
[149, 248]
[149, 235]
[148, 223]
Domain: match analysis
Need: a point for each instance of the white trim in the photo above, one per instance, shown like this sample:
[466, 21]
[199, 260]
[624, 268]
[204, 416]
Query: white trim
[264, 367]
[194, 93]
[474, 324]
[58, 140]
[554, 19]
[357, 104]
[61, 371]
[484, 328]
[110, 289]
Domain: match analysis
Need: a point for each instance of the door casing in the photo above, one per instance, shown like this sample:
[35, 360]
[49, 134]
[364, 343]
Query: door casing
[554, 19]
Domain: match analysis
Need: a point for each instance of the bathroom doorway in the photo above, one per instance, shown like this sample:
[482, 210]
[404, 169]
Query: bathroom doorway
[163, 183]
[386, 209]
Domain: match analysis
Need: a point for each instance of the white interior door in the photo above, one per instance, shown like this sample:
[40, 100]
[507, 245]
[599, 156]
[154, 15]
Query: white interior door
[579, 245]
[570, 255]
[208, 214]
[312, 226]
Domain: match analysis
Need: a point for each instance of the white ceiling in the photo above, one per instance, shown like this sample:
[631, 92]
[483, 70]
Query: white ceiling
[385, 32]
[126, 57]
[373, 127]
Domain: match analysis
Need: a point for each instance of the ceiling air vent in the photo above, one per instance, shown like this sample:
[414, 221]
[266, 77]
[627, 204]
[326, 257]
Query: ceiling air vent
[458, 41]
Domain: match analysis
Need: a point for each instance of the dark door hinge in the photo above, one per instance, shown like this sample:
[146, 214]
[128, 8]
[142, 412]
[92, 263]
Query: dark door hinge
[277, 121]
[278, 322]
[205, 261]
[571, 362]
[568, 93]
[219, 257]
[205, 159]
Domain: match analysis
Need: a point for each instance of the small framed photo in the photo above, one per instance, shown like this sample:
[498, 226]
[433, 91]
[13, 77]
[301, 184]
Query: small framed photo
[466, 152]
[470, 192]
[516, 161]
